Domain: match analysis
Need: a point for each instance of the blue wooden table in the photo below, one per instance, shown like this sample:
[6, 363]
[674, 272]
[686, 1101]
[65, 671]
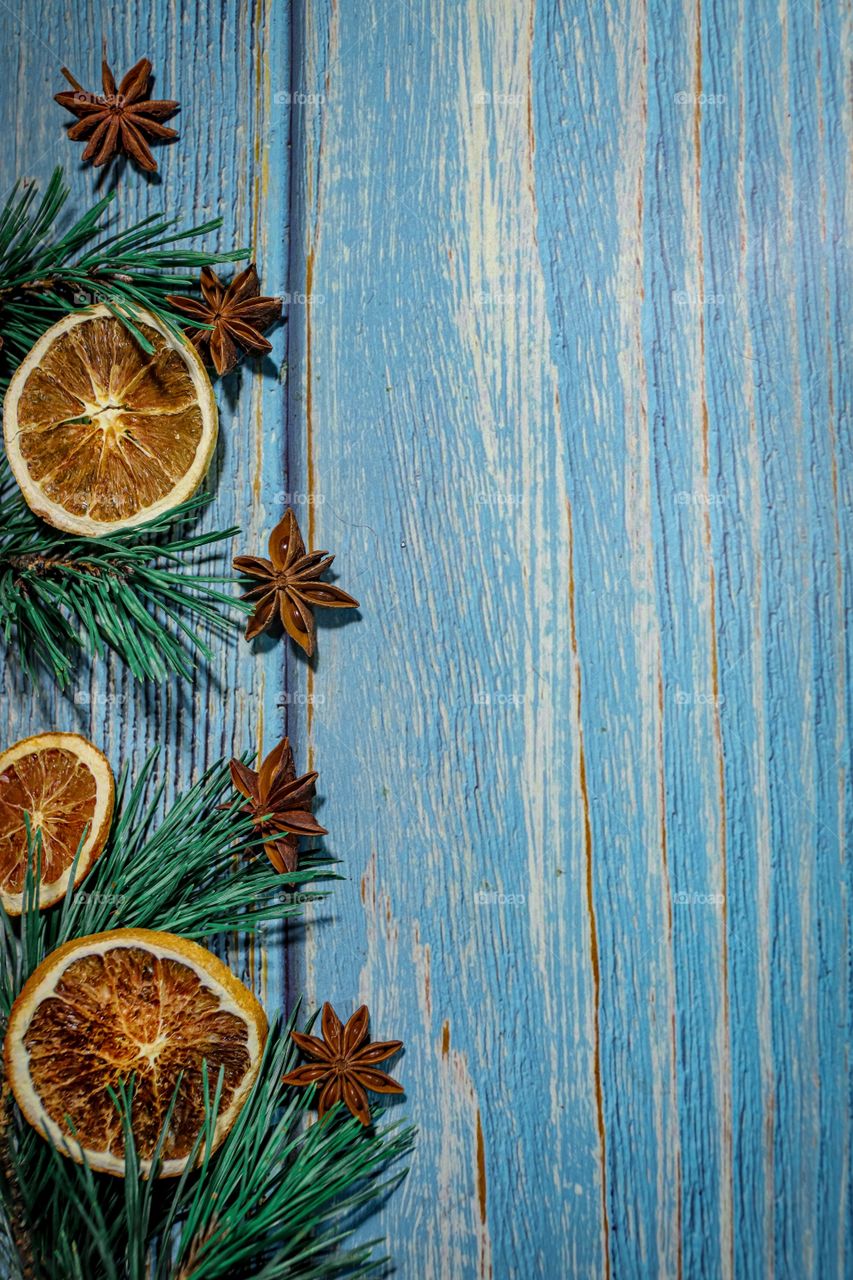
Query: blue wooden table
[563, 385]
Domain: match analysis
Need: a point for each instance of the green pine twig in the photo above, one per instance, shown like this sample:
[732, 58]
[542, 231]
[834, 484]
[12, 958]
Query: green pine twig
[279, 1198]
[143, 592]
[199, 871]
[45, 272]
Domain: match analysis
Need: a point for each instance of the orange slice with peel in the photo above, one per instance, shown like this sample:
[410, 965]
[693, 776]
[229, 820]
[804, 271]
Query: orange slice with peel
[131, 1004]
[102, 435]
[64, 786]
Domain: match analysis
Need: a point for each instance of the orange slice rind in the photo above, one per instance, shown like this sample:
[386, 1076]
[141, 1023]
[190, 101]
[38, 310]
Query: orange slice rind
[100, 434]
[64, 785]
[139, 1005]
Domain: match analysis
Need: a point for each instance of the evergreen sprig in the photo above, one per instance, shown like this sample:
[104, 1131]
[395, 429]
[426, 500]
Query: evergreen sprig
[138, 591]
[279, 1198]
[45, 272]
[142, 592]
[182, 874]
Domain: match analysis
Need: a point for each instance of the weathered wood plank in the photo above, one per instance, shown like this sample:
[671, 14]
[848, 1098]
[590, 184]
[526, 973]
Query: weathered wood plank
[592, 128]
[451, 761]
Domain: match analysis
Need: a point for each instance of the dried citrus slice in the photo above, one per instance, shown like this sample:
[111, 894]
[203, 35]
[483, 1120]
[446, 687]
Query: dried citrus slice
[66, 787]
[131, 1003]
[102, 435]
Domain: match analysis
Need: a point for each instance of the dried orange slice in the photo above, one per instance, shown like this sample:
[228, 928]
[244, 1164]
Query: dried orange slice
[66, 787]
[131, 1003]
[102, 435]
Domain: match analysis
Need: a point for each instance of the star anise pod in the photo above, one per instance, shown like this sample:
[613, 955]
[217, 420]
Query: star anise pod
[344, 1064]
[237, 312]
[289, 585]
[280, 804]
[119, 119]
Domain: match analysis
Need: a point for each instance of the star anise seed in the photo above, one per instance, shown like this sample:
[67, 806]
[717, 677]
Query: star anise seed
[237, 312]
[289, 585]
[122, 119]
[343, 1064]
[280, 804]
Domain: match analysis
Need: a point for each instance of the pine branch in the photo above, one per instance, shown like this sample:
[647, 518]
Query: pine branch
[44, 274]
[200, 871]
[140, 592]
[279, 1198]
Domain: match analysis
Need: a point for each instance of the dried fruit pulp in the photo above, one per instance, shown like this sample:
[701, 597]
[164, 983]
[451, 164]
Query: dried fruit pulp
[50, 780]
[104, 432]
[133, 1004]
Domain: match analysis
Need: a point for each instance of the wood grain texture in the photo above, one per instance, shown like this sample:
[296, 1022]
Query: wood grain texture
[571, 397]
[566, 393]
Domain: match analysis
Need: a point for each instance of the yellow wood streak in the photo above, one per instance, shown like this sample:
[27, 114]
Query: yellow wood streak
[590, 904]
